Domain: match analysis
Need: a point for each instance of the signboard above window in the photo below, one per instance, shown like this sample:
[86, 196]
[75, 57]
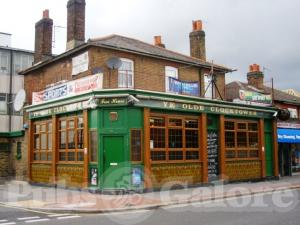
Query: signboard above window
[254, 98]
[68, 89]
[183, 87]
[80, 63]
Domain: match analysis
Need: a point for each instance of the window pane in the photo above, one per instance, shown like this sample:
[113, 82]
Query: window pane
[36, 156]
[175, 122]
[62, 156]
[44, 156]
[242, 154]
[253, 139]
[242, 126]
[175, 138]
[241, 139]
[229, 125]
[36, 142]
[71, 124]
[157, 136]
[62, 140]
[191, 123]
[252, 127]
[158, 155]
[136, 145]
[37, 128]
[80, 139]
[253, 154]
[43, 141]
[62, 125]
[49, 141]
[176, 155]
[80, 156]
[230, 154]
[80, 122]
[157, 122]
[71, 156]
[71, 139]
[43, 128]
[49, 127]
[192, 155]
[229, 139]
[191, 139]
[49, 156]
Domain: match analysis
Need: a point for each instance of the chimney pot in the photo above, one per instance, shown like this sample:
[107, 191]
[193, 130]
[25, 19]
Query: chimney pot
[46, 13]
[251, 68]
[197, 25]
[158, 42]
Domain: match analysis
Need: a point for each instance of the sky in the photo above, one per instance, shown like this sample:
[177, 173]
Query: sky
[238, 32]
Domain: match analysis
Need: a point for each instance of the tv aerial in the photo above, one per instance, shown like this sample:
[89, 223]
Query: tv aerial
[114, 63]
[212, 83]
[19, 100]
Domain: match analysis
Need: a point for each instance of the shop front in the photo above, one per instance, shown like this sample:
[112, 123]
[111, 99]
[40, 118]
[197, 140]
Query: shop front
[289, 150]
[130, 139]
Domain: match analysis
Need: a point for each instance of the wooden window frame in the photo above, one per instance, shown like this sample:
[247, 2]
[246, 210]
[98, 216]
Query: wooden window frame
[184, 150]
[39, 151]
[236, 149]
[141, 146]
[75, 150]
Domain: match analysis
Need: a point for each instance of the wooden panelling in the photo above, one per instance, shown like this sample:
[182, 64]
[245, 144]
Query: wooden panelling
[243, 170]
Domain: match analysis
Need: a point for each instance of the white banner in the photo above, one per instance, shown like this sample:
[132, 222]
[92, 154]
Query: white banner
[71, 88]
[80, 63]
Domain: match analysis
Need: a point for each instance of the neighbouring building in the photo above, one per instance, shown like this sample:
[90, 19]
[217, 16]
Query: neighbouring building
[292, 92]
[118, 113]
[12, 61]
[255, 92]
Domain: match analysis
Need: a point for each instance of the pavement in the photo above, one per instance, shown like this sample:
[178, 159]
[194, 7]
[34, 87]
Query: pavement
[22, 195]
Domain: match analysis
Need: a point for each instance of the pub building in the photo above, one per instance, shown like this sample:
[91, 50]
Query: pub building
[118, 113]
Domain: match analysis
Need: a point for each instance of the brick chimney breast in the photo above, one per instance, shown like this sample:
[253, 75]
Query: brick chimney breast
[75, 23]
[255, 77]
[43, 38]
[197, 41]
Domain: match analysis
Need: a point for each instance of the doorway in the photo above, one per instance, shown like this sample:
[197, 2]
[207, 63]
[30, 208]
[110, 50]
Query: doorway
[285, 159]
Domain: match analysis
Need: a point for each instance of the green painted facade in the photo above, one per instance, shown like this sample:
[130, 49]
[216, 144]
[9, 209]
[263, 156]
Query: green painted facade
[114, 118]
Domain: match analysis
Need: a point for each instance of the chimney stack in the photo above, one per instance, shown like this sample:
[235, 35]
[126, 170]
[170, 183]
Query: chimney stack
[43, 38]
[255, 77]
[197, 41]
[75, 23]
[158, 42]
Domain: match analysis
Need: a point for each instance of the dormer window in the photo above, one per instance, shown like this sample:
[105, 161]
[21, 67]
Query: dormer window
[126, 74]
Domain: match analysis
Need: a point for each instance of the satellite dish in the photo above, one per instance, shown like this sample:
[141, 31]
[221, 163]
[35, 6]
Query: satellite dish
[114, 63]
[19, 100]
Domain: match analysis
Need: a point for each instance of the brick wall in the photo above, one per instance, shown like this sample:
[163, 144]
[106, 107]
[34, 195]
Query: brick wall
[149, 73]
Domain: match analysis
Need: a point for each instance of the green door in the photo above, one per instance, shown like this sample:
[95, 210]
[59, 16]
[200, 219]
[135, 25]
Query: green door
[114, 165]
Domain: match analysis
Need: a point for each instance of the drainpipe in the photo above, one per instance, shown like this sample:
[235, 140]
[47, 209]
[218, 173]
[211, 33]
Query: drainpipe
[10, 92]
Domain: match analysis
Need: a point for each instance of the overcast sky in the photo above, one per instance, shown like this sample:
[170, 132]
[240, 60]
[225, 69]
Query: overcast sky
[238, 32]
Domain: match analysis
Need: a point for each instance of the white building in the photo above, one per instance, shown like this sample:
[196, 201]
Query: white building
[11, 62]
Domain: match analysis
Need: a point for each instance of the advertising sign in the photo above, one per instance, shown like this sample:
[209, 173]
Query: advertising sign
[255, 98]
[68, 89]
[183, 87]
[80, 63]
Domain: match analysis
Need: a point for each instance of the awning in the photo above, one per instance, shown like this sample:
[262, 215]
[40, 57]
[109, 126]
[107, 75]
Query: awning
[288, 135]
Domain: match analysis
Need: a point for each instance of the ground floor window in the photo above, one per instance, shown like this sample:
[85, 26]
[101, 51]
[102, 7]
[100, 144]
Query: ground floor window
[71, 139]
[42, 137]
[174, 138]
[295, 157]
[241, 139]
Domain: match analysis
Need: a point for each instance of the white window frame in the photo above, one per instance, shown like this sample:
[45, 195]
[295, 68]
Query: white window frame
[3, 104]
[126, 83]
[170, 71]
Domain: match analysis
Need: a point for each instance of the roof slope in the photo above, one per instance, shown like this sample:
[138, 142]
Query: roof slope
[137, 46]
[127, 44]
[232, 92]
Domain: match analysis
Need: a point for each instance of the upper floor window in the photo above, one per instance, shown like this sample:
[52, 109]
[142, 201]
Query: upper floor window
[21, 62]
[126, 74]
[170, 72]
[4, 62]
[3, 103]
